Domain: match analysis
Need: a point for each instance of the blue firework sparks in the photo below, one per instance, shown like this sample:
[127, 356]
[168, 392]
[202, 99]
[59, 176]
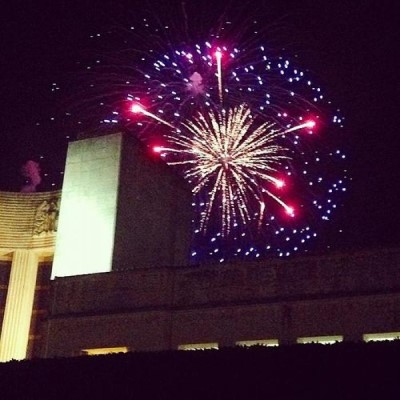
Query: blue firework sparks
[172, 85]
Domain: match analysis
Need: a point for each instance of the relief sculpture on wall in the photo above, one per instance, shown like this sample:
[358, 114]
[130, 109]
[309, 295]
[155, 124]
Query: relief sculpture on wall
[46, 217]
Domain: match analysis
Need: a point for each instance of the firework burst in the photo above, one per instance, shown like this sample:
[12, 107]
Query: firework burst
[236, 120]
[232, 158]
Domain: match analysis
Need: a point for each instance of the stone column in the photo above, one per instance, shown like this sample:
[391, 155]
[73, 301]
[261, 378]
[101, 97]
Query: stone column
[19, 306]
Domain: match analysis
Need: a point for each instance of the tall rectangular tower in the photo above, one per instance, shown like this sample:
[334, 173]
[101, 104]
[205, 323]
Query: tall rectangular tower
[120, 209]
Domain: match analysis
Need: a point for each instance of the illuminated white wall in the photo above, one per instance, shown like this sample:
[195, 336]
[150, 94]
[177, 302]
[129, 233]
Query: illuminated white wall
[86, 228]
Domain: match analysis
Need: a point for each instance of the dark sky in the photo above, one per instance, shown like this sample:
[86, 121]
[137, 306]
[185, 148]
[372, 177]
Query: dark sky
[350, 45]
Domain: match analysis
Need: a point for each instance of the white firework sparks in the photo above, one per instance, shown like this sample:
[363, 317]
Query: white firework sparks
[228, 154]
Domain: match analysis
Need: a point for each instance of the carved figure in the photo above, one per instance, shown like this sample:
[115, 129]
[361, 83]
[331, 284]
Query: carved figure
[46, 217]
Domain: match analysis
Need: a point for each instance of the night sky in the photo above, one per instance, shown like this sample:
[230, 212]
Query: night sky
[350, 46]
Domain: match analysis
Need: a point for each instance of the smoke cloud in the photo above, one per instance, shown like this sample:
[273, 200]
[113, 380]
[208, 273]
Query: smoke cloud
[195, 85]
[31, 171]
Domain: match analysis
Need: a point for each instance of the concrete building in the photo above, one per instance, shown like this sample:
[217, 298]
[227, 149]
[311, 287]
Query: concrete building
[121, 279]
[330, 298]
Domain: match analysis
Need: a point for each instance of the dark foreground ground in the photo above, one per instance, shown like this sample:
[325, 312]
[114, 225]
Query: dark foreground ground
[341, 371]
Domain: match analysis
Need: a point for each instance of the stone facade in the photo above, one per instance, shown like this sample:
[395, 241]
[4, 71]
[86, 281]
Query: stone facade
[120, 208]
[161, 308]
[28, 225]
[28, 221]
